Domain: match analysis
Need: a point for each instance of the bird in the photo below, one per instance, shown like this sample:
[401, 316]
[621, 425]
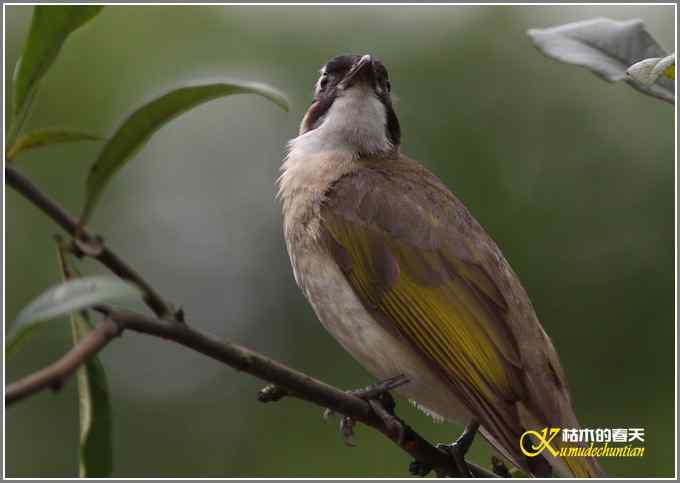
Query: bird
[408, 282]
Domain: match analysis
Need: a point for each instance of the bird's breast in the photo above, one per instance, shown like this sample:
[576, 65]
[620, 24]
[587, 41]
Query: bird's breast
[383, 353]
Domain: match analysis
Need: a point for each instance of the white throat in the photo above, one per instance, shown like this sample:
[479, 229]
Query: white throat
[354, 125]
[356, 122]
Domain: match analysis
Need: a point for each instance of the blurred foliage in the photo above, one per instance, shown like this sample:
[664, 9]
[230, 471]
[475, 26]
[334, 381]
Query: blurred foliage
[50, 27]
[573, 177]
[138, 128]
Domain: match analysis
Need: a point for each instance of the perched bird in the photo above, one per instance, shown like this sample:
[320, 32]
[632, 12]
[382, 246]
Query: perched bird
[409, 283]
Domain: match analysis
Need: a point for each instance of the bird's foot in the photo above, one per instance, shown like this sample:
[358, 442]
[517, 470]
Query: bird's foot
[459, 448]
[418, 468]
[499, 467]
[378, 397]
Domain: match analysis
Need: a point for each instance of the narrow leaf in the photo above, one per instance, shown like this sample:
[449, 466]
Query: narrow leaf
[607, 48]
[136, 130]
[50, 27]
[45, 137]
[65, 298]
[94, 409]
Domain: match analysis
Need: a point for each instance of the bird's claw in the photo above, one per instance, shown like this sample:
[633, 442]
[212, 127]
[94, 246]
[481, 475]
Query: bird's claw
[499, 468]
[386, 413]
[459, 448]
[458, 459]
[378, 397]
[379, 388]
[418, 468]
[347, 430]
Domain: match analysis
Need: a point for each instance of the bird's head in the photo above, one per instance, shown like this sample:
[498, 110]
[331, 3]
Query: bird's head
[352, 106]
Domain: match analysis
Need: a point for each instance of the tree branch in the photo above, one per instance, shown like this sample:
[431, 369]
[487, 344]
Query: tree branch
[55, 375]
[295, 383]
[98, 249]
[292, 382]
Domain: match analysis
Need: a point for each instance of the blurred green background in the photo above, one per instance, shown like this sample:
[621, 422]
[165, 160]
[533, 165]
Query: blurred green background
[572, 176]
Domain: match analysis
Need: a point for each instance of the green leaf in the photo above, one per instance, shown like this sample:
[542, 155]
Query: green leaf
[50, 27]
[145, 121]
[45, 137]
[94, 409]
[67, 297]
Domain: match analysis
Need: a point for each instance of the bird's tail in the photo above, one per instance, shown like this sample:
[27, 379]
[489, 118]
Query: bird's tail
[545, 465]
[570, 462]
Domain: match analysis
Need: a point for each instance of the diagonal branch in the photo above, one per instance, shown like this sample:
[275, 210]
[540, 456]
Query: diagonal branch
[99, 251]
[290, 381]
[294, 383]
[54, 375]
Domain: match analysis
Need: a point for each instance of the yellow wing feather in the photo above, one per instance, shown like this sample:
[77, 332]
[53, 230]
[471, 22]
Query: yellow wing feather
[441, 315]
[413, 254]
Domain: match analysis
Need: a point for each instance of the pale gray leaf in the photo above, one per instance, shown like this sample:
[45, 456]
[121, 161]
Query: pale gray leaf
[607, 48]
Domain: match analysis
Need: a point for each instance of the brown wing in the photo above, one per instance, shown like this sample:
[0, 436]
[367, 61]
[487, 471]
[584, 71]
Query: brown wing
[413, 254]
[409, 256]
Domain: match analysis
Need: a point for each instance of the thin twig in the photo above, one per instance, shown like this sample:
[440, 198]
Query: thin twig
[54, 375]
[100, 251]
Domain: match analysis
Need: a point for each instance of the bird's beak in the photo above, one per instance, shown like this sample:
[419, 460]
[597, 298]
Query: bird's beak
[362, 71]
